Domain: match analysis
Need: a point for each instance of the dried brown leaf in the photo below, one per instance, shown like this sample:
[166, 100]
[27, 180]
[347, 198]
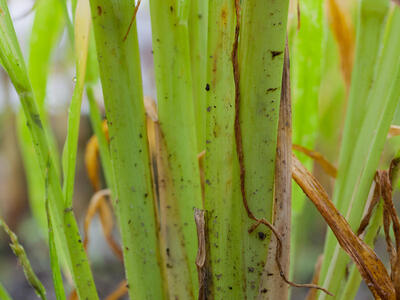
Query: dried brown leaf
[344, 34]
[92, 162]
[371, 268]
[92, 159]
[119, 292]
[98, 204]
[375, 199]
[329, 168]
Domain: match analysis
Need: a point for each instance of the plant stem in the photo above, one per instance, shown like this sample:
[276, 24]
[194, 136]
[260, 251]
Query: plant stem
[169, 20]
[198, 33]
[261, 53]
[122, 89]
[223, 206]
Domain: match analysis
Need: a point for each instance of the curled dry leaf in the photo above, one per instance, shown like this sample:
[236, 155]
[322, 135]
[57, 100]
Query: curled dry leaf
[92, 159]
[92, 162]
[371, 268]
[99, 204]
[329, 168]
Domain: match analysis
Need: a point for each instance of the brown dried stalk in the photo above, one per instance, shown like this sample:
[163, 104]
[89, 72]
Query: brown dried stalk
[375, 200]
[371, 268]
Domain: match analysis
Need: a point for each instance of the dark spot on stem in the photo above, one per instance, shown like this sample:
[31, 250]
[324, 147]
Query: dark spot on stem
[37, 121]
[99, 10]
[262, 235]
[275, 53]
[207, 87]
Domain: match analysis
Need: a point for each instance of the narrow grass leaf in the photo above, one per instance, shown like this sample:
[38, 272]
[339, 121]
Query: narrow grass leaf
[64, 221]
[54, 259]
[4, 294]
[82, 33]
[46, 31]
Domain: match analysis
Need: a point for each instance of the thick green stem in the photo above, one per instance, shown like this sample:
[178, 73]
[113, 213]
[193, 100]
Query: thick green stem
[221, 202]
[122, 89]
[261, 53]
[169, 19]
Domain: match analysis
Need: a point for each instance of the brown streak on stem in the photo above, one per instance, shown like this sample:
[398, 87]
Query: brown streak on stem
[132, 20]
